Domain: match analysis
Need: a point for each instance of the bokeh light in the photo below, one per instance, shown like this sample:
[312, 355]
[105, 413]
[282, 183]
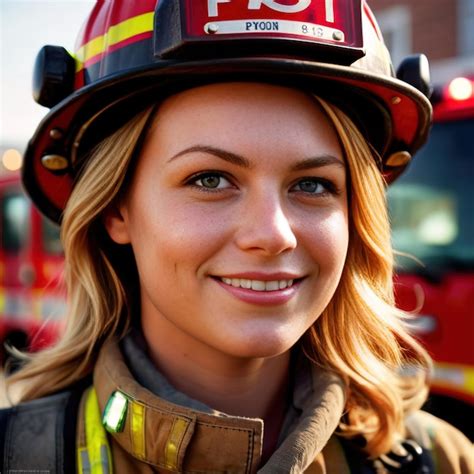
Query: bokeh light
[461, 88]
[12, 159]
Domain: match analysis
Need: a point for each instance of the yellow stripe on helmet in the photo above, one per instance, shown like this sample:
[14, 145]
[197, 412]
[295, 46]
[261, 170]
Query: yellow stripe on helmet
[115, 34]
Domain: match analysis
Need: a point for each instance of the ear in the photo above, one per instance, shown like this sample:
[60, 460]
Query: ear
[116, 224]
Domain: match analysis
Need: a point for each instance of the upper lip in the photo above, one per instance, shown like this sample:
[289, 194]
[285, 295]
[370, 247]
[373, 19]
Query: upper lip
[263, 276]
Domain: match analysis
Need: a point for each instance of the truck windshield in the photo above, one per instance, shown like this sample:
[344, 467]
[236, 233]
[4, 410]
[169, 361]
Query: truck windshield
[432, 204]
[15, 223]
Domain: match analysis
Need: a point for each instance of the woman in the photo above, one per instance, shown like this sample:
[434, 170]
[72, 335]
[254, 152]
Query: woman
[227, 247]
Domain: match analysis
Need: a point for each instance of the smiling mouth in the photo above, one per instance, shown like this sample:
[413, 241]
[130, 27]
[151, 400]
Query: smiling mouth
[258, 285]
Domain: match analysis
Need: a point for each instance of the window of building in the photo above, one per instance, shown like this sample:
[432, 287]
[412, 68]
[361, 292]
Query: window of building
[466, 27]
[395, 23]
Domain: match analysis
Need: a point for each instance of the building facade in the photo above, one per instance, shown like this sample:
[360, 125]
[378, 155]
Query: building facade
[442, 29]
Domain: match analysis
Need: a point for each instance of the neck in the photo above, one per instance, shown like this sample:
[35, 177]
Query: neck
[249, 387]
[253, 388]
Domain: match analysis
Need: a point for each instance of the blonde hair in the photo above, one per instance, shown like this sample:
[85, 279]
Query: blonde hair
[98, 306]
[360, 335]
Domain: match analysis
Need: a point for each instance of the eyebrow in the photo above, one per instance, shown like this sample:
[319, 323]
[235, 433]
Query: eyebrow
[313, 162]
[223, 154]
[318, 162]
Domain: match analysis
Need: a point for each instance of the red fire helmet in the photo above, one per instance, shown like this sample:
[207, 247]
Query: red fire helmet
[134, 53]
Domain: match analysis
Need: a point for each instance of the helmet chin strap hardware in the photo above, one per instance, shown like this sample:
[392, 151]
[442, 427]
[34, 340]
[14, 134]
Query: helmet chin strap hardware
[53, 75]
[399, 158]
[415, 70]
[57, 164]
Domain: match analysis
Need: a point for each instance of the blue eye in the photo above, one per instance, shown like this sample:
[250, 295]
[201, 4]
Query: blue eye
[311, 186]
[210, 181]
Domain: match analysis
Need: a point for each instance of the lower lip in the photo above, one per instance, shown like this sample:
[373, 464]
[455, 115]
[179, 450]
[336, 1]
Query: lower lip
[262, 298]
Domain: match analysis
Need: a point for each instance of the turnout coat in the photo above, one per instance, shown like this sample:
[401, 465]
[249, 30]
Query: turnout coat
[151, 427]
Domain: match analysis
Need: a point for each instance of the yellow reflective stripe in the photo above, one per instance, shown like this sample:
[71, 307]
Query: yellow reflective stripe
[470, 381]
[174, 442]
[137, 426]
[98, 450]
[115, 34]
[457, 376]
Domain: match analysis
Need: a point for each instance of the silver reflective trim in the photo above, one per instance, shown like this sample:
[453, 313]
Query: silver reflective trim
[276, 27]
[104, 459]
[86, 465]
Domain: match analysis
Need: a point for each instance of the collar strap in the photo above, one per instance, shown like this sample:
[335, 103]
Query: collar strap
[169, 436]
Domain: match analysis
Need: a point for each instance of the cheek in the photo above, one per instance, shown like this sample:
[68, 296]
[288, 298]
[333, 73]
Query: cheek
[169, 233]
[328, 240]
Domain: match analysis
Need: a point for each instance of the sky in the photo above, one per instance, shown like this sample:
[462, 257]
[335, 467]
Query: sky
[26, 26]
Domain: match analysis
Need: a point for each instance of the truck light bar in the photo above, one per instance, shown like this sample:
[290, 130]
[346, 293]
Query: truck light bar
[460, 88]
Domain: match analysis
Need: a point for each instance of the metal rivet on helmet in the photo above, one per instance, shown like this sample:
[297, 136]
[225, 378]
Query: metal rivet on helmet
[55, 163]
[56, 134]
[399, 158]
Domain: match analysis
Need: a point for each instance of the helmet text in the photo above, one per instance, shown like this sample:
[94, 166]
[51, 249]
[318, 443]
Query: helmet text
[300, 5]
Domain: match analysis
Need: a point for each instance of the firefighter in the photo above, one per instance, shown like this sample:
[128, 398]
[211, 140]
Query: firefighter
[218, 170]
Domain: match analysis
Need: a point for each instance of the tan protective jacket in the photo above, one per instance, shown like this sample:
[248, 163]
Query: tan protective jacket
[160, 436]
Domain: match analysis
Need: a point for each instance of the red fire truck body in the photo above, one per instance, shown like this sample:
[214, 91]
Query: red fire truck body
[32, 303]
[432, 210]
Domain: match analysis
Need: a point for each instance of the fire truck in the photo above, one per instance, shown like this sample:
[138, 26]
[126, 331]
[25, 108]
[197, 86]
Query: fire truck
[32, 301]
[432, 212]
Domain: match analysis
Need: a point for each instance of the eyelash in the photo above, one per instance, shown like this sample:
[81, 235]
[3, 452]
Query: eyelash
[200, 176]
[330, 187]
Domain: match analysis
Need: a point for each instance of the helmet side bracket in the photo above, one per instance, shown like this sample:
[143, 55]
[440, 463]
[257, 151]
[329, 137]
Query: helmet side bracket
[53, 75]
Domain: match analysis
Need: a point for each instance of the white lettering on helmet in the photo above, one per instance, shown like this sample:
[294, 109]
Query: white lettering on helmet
[299, 6]
[330, 11]
[212, 6]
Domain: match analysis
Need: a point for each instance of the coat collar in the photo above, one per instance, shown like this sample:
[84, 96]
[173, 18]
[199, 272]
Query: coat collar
[174, 437]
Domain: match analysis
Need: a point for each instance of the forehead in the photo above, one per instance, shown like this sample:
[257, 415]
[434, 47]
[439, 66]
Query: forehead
[247, 96]
[249, 116]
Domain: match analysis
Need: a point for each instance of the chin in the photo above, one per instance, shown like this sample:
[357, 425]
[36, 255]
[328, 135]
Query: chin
[267, 345]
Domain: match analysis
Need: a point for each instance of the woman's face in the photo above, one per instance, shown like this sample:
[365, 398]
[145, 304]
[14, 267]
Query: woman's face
[238, 218]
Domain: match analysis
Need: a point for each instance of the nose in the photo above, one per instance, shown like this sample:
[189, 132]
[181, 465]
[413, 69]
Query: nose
[265, 227]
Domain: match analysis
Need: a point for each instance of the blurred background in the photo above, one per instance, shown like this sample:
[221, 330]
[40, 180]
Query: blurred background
[432, 206]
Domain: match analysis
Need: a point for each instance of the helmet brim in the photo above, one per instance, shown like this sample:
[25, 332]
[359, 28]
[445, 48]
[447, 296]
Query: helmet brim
[393, 115]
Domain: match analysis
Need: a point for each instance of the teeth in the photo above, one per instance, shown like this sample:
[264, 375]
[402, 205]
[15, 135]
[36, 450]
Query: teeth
[258, 285]
[272, 285]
